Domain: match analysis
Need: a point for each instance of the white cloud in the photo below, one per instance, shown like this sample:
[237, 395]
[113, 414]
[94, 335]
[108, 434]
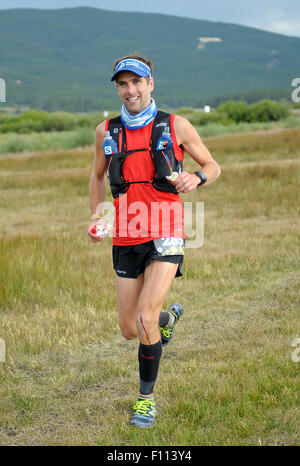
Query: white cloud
[291, 28]
[278, 21]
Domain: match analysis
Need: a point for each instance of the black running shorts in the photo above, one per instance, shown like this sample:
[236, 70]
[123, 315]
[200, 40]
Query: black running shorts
[131, 261]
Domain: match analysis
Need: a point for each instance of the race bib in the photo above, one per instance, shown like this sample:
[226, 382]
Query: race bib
[169, 246]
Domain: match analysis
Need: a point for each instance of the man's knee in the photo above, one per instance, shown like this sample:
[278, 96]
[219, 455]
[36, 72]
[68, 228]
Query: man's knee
[128, 332]
[147, 320]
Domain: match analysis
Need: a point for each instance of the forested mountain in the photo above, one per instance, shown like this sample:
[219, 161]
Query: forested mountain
[62, 59]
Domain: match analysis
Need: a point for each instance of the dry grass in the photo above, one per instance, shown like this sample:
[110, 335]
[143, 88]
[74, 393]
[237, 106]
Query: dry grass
[226, 379]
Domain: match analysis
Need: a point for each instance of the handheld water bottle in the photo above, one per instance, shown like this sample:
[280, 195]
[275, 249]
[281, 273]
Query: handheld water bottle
[109, 146]
[100, 230]
[165, 141]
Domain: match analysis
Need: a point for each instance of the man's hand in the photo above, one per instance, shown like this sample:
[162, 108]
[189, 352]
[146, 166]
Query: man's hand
[186, 182]
[92, 232]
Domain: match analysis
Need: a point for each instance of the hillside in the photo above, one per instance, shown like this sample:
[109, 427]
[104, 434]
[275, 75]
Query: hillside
[63, 58]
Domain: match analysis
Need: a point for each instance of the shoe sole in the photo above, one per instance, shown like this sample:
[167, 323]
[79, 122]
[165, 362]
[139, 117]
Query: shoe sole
[141, 425]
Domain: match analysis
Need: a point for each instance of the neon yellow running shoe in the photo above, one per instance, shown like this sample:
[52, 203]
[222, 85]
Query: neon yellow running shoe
[145, 412]
[167, 334]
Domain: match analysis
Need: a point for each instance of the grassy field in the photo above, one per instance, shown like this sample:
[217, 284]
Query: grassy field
[227, 378]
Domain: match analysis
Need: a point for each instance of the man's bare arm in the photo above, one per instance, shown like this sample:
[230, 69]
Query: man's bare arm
[97, 186]
[189, 139]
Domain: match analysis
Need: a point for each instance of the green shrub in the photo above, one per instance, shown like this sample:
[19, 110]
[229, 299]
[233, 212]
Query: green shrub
[90, 120]
[268, 110]
[33, 115]
[185, 110]
[60, 121]
[28, 122]
[39, 121]
[4, 118]
[9, 126]
[262, 111]
[236, 111]
[202, 118]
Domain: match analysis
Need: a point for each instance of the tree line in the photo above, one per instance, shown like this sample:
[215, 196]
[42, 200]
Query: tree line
[225, 114]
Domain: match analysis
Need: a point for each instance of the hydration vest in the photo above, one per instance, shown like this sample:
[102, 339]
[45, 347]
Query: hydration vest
[164, 160]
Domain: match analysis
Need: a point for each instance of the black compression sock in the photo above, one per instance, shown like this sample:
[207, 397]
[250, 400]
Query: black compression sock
[149, 358]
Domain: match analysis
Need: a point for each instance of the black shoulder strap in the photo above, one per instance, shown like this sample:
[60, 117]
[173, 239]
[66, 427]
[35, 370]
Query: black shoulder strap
[116, 120]
[117, 132]
[160, 122]
[161, 114]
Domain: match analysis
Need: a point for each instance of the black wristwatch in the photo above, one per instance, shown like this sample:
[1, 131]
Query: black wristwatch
[202, 176]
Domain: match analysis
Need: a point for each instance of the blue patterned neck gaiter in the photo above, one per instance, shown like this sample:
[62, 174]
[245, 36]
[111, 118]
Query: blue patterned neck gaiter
[141, 119]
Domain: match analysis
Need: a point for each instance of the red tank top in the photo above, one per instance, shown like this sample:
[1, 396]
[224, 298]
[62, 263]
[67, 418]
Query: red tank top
[143, 213]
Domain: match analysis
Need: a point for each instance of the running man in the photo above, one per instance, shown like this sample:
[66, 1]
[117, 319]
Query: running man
[141, 151]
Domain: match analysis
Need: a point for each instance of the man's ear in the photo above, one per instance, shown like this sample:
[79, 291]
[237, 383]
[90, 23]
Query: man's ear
[151, 84]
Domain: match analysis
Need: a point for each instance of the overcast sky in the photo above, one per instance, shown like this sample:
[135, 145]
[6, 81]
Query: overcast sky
[282, 16]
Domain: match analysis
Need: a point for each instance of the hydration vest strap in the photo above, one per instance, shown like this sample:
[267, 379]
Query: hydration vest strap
[164, 119]
[130, 152]
[164, 160]
[134, 182]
